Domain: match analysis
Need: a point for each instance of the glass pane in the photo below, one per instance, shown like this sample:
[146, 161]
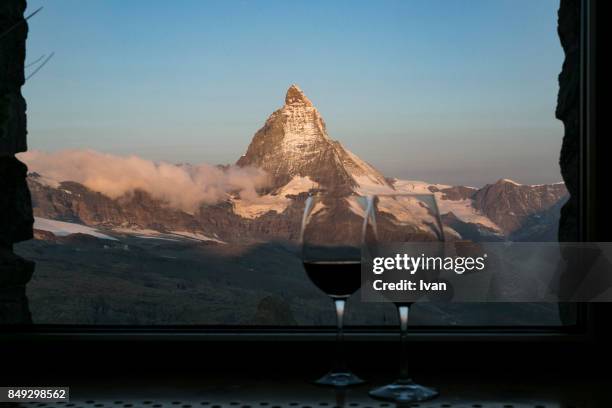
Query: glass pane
[170, 168]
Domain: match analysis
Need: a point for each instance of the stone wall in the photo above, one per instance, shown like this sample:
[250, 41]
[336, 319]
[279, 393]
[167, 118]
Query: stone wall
[568, 111]
[12, 57]
[15, 205]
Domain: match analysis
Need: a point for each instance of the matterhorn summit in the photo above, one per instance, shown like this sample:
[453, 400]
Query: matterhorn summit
[294, 145]
[295, 96]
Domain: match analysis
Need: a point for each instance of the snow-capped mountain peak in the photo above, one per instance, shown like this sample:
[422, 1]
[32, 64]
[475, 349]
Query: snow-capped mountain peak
[295, 96]
[294, 143]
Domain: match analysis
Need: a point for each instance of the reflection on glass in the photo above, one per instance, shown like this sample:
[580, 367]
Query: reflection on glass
[394, 219]
[332, 236]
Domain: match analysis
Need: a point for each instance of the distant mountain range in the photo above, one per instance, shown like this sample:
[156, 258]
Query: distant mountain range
[294, 149]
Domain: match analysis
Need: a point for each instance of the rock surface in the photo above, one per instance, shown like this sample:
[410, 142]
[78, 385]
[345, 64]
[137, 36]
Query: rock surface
[568, 111]
[15, 204]
[508, 204]
[12, 57]
[294, 143]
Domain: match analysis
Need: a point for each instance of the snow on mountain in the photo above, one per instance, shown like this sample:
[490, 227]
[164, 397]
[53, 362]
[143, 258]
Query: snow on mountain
[253, 207]
[465, 211]
[294, 143]
[195, 236]
[506, 180]
[411, 210]
[62, 229]
[147, 233]
[416, 187]
[462, 208]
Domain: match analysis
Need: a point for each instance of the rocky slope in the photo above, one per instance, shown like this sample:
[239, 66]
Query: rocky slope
[138, 213]
[509, 204]
[503, 210]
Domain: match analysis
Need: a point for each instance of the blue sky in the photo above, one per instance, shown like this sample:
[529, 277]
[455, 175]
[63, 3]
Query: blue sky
[452, 91]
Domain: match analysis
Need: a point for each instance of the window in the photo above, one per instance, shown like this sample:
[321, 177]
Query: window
[169, 167]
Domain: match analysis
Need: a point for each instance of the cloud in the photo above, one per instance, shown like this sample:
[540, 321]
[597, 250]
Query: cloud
[183, 187]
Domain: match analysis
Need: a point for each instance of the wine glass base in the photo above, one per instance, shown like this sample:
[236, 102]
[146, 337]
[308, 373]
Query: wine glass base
[339, 379]
[403, 391]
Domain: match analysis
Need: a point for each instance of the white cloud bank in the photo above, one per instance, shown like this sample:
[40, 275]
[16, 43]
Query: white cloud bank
[180, 186]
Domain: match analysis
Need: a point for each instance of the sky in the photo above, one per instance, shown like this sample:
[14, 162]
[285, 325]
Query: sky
[446, 91]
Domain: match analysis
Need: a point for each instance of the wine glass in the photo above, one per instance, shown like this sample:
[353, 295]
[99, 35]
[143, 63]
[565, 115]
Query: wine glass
[331, 238]
[395, 219]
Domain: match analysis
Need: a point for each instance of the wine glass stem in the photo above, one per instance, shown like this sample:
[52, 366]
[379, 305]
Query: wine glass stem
[340, 306]
[403, 318]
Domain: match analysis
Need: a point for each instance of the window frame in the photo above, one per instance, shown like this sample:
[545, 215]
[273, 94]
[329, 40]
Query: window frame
[582, 331]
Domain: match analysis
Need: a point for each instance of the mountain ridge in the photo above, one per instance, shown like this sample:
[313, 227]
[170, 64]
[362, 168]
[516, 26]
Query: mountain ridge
[73, 202]
[295, 150]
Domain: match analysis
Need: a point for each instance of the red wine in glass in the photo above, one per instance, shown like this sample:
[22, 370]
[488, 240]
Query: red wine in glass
[338, 279]
[331, 238]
